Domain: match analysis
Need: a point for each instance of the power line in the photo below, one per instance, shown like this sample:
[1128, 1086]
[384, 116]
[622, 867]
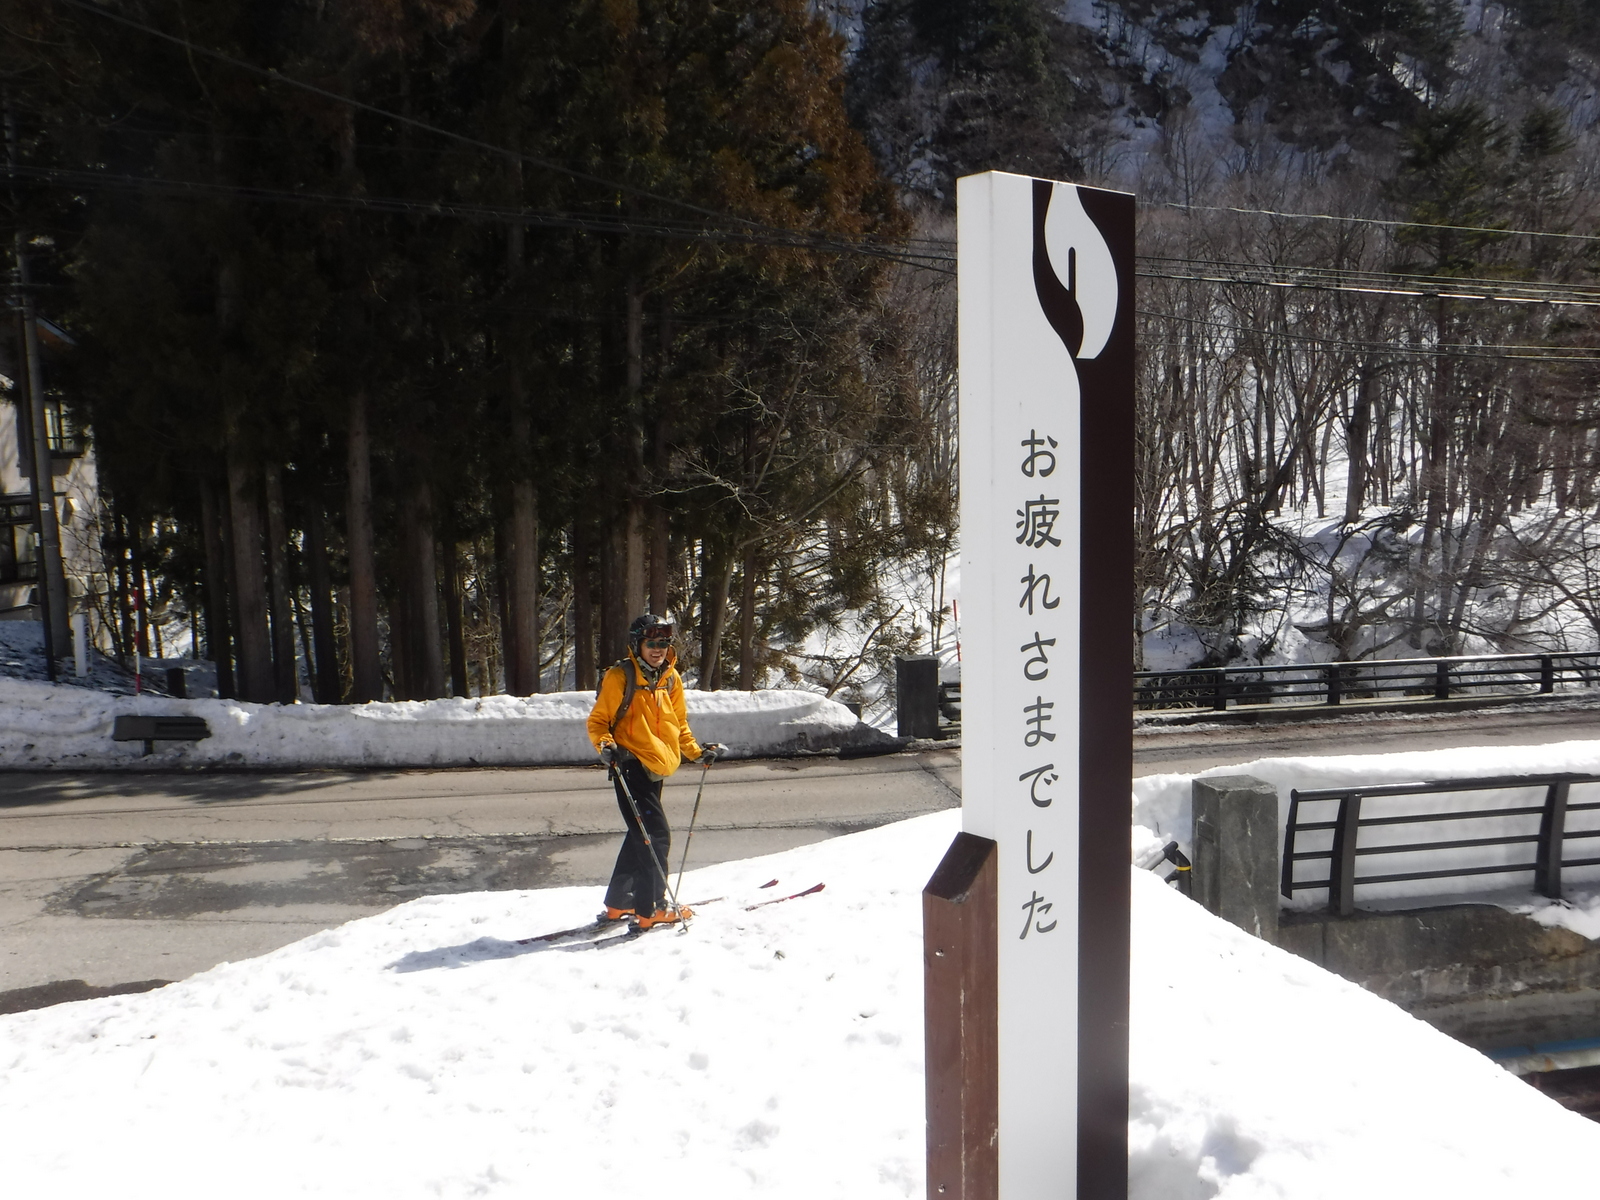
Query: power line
[1416, 278]
[1365, 282]
[126, 127]
[1392, 224]
[1171, 343]
[276, 76]
[588, 222]
[795, 237]
[1464, 350]
[1320, 279]
[1370, 283]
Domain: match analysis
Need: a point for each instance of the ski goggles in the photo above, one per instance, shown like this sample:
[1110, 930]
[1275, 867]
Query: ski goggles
[658, 637]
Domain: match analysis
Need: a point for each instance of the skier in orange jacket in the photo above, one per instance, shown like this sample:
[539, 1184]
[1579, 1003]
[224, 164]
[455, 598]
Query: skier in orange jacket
[640, 726]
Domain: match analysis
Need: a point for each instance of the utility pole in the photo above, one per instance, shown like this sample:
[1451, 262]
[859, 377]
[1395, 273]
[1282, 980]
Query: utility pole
[52, 576]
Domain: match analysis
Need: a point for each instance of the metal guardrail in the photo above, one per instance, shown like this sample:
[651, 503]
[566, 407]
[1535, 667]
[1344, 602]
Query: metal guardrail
[1347, 822]
[950, 702]
[1333, 683]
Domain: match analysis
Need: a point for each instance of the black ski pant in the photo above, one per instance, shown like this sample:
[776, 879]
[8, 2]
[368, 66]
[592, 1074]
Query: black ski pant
[634, 882]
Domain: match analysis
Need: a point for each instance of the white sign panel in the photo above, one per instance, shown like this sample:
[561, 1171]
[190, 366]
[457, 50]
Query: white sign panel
[1046, 469]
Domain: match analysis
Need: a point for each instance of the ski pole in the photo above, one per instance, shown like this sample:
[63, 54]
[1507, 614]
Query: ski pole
[638, 817]
[689, 837]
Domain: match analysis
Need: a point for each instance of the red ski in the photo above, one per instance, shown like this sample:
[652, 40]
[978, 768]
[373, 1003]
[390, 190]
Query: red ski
[810, 891]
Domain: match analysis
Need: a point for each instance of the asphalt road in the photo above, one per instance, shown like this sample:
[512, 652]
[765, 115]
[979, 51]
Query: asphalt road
[1352, 730]
[114, 880]
[111, 879]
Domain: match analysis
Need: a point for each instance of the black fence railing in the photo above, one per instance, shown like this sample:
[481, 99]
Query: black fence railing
[1218, 688]
[950, 703]
[1339, 812]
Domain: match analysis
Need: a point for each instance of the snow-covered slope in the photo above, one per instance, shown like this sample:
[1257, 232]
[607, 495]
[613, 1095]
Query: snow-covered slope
[774, 1053]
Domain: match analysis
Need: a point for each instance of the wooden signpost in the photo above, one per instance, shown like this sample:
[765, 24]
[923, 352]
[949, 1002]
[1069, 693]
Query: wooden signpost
[1026, 919]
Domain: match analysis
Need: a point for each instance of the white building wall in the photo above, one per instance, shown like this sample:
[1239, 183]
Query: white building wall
[77, 490]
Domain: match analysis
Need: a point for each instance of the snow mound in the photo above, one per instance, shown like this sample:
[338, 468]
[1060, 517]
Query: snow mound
[1257, 1074]
[56, 726]
[773, 1053]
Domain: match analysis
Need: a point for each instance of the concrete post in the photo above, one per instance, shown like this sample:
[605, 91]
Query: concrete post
[1236, 851]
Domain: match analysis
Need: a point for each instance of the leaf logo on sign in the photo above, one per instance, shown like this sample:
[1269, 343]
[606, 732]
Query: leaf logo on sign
[1074, 273]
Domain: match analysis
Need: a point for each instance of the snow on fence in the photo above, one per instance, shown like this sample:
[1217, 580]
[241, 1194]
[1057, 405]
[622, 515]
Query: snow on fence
[1414, 839]
[1504, 821]
[47, 726]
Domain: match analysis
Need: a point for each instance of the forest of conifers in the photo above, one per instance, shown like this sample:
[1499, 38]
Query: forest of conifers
[422, 344]
[451, 410]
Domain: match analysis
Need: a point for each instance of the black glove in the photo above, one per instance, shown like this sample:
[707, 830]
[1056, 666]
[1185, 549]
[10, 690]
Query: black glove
[710, 752]
[608, 753]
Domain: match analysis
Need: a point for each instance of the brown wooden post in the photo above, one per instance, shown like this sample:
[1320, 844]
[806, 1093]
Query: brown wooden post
[960, 973]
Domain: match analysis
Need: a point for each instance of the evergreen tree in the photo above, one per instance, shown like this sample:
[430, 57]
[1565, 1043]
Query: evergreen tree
[297, 335]
[945, 88]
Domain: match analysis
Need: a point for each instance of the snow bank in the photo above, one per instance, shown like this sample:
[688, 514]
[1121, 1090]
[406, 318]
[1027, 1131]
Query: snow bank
[774, 1053]
[1163, 812]
[1257, 1074]
[45, 726]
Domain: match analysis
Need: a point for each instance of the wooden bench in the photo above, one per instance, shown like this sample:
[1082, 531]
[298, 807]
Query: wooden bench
[151, 730]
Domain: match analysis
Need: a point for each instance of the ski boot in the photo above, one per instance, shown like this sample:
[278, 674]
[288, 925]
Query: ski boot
[664, 916]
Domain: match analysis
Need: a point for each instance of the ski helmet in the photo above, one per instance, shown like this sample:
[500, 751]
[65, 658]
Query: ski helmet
[647, 625]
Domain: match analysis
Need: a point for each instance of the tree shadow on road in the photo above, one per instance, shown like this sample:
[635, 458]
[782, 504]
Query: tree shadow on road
[25, 789]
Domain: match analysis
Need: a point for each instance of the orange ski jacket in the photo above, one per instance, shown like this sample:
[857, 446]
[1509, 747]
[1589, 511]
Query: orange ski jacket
[655, 729]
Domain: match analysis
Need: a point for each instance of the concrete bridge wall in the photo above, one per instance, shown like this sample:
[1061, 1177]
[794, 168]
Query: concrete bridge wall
[1489, 977]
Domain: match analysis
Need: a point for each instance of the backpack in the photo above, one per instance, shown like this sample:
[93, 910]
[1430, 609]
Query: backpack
[630, 685]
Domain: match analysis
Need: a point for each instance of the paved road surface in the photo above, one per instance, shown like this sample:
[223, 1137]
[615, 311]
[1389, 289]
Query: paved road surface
[1197, 748]
[115, 879]
[119, 878]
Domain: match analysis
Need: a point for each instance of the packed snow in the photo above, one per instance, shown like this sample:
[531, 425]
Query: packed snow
[774, 1052]
[44, 725]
